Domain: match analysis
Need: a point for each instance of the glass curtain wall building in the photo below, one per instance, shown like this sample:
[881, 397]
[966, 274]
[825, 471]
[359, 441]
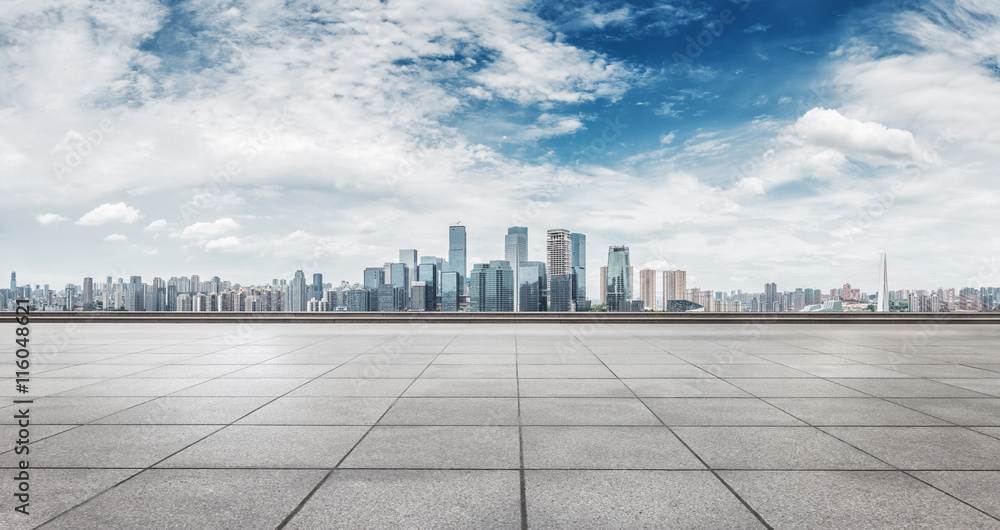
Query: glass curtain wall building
[619, 280]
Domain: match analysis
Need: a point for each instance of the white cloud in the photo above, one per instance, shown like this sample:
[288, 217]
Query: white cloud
[116, 237]
[549, 125]
[224, 243]
[50, 218]
[667, 139]
[206, 231]
[869, 142]
[158, 225]
[109, 213]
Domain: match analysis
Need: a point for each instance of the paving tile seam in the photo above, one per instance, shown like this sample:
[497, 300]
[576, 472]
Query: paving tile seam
[305, 500]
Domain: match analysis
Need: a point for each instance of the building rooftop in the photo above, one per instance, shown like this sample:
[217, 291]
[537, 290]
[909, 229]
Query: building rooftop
[228, 425]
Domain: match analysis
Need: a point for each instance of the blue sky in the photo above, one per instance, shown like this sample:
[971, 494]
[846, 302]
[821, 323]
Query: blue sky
[744, 141]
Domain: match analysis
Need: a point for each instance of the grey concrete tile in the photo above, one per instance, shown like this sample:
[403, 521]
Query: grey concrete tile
[394, 358]
[374, 371]
[127, 387]
[352, 388]
[657, 359]
[683, 388]
[574, 388]
[659, 371]
[69, 410]
[249, 387]
[41, 386]
[842, 371]
[189, 371]
[632, 499]
[561, 371]
[718, 411]
[811, 358]
[794, 387]
[320, 411]
[172, 410]
[888, 388]
[309, 359]
[773, 448]
[736, 371]
[442, 447]
[97, 370]
[231, 358]
[557, 358]
[475, 358]
[585, 411]
[944, 371]
[851, 411]
[294, 371]
[425, 387]
[961, 411]
[270, 446]
[928, 448]
[111, 446]
[54, 491]
[851, 499]
[357, 498]
[212, 498]
[452, 411]
[989, 387]
[605, 448]
[978, 488]
[470, 371]
[988, 431]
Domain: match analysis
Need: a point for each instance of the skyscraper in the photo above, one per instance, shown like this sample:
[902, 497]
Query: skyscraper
[317, 287]
[578, 265]
[136, 294]
[450, 291]
[401, 280]
[298, 292]
[532, 286]
[674, 285]
[647, 288]
[516, 252]
[770, 297]
[88, 294]
[558, 250]
[604, 285]
[456, 254]
[560, 292]
[70, 295]
[619, 282]
[374, 276]
[440, 263]
[492, 287]
[408, 257]
[13, 283]
[428, 273]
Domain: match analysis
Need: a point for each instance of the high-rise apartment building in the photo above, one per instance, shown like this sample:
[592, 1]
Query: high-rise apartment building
[457, 254]
[298, 292]
[674, 285]
[647, 288]
[578, 265]
[136, 294]
[619, 282]
[770, 302]
[558, 255]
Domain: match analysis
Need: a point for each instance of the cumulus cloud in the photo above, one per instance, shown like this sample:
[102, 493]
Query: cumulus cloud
[869, 142]
[109, 213]
[50, 218]
[667, 139]
[206, 231]
[115, 237]
[158, 225]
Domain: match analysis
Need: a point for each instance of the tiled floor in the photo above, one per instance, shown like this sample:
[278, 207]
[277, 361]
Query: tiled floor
[508, 426]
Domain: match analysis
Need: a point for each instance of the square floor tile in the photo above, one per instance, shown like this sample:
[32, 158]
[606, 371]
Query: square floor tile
[452, 411]
[851, 411]
[270, 446]
[408, 447]
[426, 387]
[929, 448]
[585, 411]
[605, 448]
[320, 411]
[718, 411]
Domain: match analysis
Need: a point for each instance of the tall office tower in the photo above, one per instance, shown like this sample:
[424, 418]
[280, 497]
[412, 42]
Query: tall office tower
[647, 288]
[357, 299]
[374, 276]
[674, 285]
[408, 257]
[439, 263]
[401, 280]
[619, 283]
[428, 273]
[421, 296]
[298, 292]
[515, 250]
[604, 285]
[450, 291]
[560, 292]
[317, 287]
[172, 292]
[456, 254]
[195, 284]
[770, 302]
[13, 283]
[88, 294]
[558, 250]
[492, 287]
[70, 295]
[389, 298]
[578, 265]
[136, 294]
[532, 286]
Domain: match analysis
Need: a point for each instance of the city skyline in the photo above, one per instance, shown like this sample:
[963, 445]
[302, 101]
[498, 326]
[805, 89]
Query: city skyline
[744, 140]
